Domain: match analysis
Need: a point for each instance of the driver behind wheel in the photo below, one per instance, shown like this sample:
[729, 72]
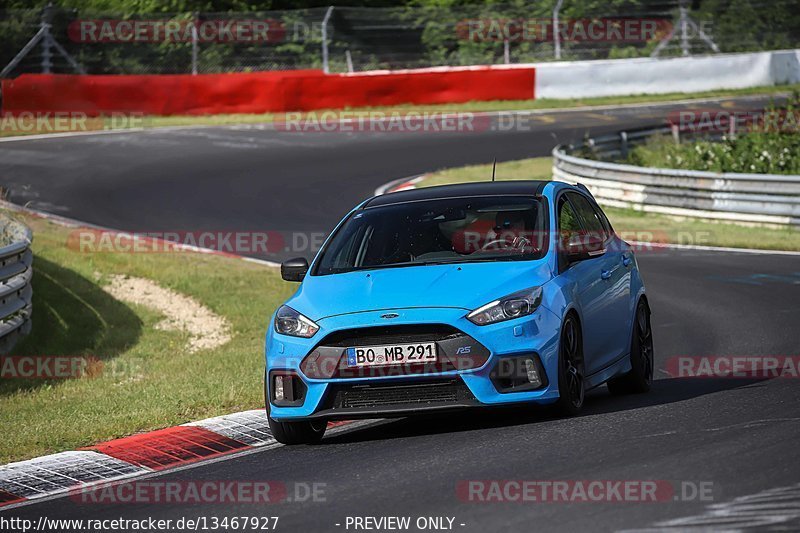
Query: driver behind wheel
[510, 231]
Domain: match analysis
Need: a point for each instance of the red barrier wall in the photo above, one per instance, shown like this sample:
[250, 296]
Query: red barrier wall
[262, 92]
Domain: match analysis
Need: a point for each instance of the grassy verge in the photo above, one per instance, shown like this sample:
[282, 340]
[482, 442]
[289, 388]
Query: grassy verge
[498, 105]
[630, 223]
[148, 379]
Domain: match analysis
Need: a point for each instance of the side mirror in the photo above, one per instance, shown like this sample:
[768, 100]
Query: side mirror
[582, 248]
[294, 269]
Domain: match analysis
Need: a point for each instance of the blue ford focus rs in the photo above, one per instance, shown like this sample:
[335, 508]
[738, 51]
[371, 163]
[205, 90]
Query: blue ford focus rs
[453, 297]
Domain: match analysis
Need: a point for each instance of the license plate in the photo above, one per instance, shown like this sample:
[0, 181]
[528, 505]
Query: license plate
[394, 354]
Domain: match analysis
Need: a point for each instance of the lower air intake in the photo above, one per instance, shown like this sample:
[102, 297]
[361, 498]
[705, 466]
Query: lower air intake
[417, 394]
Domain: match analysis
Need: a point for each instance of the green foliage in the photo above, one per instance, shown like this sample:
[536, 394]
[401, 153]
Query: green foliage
[746, 25]
[760, 152]
[405, 34]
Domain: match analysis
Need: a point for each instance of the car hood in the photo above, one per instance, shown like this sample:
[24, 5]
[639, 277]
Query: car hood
[463, 285]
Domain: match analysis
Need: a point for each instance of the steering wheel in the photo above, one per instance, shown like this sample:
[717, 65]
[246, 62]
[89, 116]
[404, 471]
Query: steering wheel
[517, 243]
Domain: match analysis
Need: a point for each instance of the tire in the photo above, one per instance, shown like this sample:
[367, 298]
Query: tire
[640, 377]
[300, 432]
[571, 384]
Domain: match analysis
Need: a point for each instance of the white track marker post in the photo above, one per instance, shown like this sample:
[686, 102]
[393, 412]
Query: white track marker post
[328, 13]
[556, 33]
[194, 45]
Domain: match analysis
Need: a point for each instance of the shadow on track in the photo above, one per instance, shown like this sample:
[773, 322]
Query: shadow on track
[598, 402]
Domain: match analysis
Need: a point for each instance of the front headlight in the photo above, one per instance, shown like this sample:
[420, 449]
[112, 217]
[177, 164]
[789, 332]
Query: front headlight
[290, 322]
[512, 306]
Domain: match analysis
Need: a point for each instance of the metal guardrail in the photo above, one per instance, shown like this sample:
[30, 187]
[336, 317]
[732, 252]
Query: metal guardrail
[16, 272]
[749, 198]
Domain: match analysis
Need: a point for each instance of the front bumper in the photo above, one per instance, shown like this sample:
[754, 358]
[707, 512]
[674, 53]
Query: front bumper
[437, 389]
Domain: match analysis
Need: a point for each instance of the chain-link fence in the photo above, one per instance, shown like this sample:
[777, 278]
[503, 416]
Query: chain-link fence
[358, 39]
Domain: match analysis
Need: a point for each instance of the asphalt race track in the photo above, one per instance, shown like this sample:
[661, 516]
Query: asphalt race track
[253, 178]
[737, 435]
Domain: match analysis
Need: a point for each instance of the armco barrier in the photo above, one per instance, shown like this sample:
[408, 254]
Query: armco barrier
[16, 272]
[748, 198]
[261, 92]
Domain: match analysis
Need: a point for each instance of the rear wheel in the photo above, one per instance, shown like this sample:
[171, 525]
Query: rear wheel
[571, 386]
[640, 377]
[299, 432]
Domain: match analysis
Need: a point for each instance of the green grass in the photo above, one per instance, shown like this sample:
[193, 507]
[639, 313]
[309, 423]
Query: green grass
[638, 225]
[631, 224]
[496, 105]
[149, 380]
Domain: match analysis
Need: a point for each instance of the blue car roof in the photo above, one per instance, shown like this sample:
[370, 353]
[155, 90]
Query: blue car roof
[482, 188]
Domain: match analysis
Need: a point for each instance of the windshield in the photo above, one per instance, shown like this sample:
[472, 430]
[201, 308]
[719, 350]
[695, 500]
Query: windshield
[453, 230]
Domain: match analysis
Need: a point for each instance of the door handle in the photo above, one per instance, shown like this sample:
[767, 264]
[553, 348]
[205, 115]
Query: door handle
[605, 274]
[626, 260]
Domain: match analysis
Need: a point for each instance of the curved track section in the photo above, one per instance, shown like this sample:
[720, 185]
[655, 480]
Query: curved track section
[254, 178]
[739, 435]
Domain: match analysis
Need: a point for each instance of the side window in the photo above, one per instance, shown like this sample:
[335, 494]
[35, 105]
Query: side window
[569, 225]
[591, 220]
[604, 220]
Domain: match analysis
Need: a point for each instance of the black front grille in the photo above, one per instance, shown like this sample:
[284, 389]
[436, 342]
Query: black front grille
[433, 393]
[390, 335]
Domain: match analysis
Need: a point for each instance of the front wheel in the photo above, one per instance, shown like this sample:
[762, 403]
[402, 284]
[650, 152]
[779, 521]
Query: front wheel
[571, 386]
[301, 432]
[640, 377]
